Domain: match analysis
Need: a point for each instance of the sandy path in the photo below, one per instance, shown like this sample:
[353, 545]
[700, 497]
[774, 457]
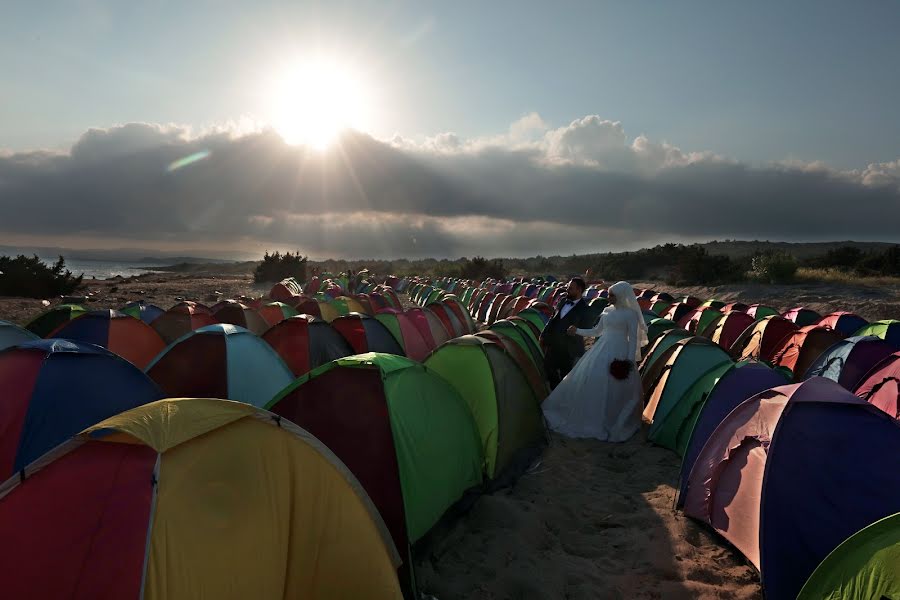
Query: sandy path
[593, 520]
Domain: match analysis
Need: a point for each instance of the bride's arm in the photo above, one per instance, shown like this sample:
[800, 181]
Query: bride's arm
[593, 331]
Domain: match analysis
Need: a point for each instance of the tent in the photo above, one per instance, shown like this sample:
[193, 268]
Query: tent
[845, 322]
[710, 400]
[403, 431]
[448, 318]
[799, 350]
[657, 327]
[52, 389]
[761, 311]
[305, 343]
[404, 329]
[327, 311]
[221, 361]
[533, 371]
[881, 386]
[503, 403]
[454, 304]
[659, 346]
[130, 338]
[713, 303]
[660, 307]
[802, 316]
[366, 334]
[849, 360]
[595, 308]
[143, 311]
[735, 306]
[691, 301]
[193, 498]
[727, 327]
[520, 331]
[672, 375]
[431, 328]
[11, 334]
[676, 311]
[240, 315]
[865, 566]
[181, 319]
[663, 297]
[47, 321]
[347, 304]
[761, 340]
[782, 478]
[889, 331]
[276, 312]
[699, 319]
[285, 289]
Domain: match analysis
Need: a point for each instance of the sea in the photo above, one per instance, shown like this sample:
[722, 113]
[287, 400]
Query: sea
[104, 269]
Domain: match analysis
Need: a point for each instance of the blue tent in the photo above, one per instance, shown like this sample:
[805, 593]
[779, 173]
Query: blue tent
[793, 472]
[11, 334]
[52, 389]
[849, 360]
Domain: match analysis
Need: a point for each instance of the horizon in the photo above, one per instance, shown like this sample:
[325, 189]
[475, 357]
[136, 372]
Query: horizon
[397, 130]
[109, 255]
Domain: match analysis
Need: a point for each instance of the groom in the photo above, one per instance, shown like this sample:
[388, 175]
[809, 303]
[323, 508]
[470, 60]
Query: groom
[561, 350]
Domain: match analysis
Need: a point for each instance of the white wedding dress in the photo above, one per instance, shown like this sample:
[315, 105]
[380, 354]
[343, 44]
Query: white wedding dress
[591, 403]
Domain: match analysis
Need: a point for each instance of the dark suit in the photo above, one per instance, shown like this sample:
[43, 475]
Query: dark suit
[561, 350]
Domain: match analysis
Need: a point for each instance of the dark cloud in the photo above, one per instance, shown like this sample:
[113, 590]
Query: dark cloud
[583, 187]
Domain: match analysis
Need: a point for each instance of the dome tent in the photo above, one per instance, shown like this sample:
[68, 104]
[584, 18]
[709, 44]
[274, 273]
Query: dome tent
[305, 343]
[130, 338]
[11, 334]
[500, 397]
[221, 361]
[52, 389]
[782, 476]
[193, 498]
[403, 431]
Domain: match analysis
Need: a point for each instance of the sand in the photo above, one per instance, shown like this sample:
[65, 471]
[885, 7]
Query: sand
[592, 520]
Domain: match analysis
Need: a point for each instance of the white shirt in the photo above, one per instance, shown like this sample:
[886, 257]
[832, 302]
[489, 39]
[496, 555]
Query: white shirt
[567, 307]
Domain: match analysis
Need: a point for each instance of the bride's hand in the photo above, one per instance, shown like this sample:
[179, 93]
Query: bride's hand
[571, 330]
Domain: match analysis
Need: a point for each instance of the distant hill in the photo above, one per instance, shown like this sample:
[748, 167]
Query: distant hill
[138, 255]
[801, 250]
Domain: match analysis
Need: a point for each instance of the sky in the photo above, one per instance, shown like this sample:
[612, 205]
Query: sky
[501, 128]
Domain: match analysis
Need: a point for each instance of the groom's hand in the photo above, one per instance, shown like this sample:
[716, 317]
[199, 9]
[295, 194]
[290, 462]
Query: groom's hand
[571, 330]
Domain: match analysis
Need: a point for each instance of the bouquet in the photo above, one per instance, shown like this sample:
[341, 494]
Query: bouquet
[621, 369]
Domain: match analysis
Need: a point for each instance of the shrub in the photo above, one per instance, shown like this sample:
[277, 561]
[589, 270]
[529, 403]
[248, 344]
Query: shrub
[774, 267]
[480, 268]
[32, 278]
[277, 266]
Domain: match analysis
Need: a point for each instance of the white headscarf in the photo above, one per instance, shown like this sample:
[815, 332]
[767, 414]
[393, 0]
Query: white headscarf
[625, 299]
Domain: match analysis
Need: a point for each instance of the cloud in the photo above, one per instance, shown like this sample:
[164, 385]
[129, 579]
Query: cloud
[585, 186]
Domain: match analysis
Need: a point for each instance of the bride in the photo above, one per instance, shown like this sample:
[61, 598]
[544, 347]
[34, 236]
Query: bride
[590, 401]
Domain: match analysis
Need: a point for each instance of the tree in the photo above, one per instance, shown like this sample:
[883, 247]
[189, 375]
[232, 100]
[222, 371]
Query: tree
[30, 277]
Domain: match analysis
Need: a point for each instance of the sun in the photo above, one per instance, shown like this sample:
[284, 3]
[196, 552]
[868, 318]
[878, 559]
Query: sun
[313, 101]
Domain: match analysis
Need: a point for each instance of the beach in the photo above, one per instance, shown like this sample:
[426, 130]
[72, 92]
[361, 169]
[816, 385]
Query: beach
[590, 520]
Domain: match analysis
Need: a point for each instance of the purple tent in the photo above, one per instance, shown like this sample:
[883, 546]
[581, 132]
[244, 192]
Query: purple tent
[848, 361]
[743, 381]
[793, 472]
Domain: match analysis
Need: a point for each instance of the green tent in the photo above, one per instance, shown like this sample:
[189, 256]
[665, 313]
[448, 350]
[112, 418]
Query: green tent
[595, 308]
[523, 336]
[712, 303]
[674, 430]
[864, 567]
[49, 321]
[502, 401]
[660, 306]
[534, 316]
[372, 409]
[663, 342]
[679, 368]
[889, 331]
[657, 327]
